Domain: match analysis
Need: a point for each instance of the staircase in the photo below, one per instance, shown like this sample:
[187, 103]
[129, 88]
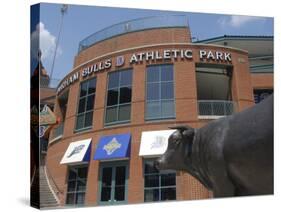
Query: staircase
[47, 198]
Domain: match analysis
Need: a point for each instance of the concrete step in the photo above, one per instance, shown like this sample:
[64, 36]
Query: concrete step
[46, 196]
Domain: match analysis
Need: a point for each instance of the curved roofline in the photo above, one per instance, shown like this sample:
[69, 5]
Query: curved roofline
[138, 24]
[131, 20]
[236, 37]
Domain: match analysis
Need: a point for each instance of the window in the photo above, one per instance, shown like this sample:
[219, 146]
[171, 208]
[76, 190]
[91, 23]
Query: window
[86, 104]
[113, 183]
[119, 97]
[261, 94]
[214, 95]
[160, 103]
[158, 185]
[77, 182]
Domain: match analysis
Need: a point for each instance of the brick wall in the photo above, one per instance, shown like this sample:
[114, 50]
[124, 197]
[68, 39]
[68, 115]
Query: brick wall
[185, 98]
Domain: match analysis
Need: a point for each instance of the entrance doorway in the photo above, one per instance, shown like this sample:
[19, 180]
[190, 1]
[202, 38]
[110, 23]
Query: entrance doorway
[113, 185]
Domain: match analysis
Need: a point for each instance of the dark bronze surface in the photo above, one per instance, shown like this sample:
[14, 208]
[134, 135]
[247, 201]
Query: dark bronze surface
[232, 156]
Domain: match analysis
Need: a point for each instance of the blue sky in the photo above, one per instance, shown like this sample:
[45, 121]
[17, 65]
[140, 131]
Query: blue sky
[81, 21]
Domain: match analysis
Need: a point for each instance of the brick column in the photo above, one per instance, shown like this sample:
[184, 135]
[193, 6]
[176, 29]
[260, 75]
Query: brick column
[185, 91]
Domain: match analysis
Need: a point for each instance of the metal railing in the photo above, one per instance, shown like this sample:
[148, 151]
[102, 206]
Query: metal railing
[215, 107]
[268, 68]
[133, 26]
[58, 131]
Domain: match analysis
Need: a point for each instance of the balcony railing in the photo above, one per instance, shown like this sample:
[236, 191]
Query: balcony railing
[215, 107]
[268, 68]
[133, 26]
[58, 131]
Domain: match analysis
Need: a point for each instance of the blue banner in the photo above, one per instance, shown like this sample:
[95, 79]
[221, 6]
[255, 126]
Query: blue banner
[113, 147]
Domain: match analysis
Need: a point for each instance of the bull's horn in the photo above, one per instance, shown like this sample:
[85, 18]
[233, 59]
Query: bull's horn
[181, 128]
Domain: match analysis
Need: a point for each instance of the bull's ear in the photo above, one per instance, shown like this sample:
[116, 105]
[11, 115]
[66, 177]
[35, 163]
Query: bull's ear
[189, 132]
[182, 128]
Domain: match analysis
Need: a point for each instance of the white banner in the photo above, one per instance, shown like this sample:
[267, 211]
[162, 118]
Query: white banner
[154, 143]
[76, 152]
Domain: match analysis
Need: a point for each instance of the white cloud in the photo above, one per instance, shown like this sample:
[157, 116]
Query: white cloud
[47, 43]
[238, 21]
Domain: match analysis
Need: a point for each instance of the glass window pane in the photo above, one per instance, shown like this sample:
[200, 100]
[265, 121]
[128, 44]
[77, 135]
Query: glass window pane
[167, 90]
[83, 89]
[119, 194]
[92, 86]
[149, 167]
[112, 97]
[126, 78]
[81, 185]
[152, 91]
[76, 185]
[80, 121]
[124, 112]
[81, 107]
[168, 179]
[90, 102]
[120, 181]
[113, 80]
[125, 95]
[83, 172]
[70, 199]
[120, 175]
[168, 108]
[111, 114]
[151, 195]
[80, 198]
[106, 176]
[151, 180]
[106, 184]
[71, 185]
[153, 109]
[167, 73]
[88, 119]
[153, 74]
[168, 194]
[106, 193]
[71, 175]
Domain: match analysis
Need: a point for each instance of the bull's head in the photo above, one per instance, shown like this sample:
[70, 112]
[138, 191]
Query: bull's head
[178, 151]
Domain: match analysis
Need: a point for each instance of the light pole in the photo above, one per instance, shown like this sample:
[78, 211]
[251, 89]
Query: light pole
[63, 10]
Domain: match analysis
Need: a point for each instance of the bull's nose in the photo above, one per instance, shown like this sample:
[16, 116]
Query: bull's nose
[157, 164]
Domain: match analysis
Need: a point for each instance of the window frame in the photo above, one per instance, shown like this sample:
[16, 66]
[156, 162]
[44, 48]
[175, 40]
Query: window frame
[113, 165]
[160, 187]
[160, 100]
[258, 91]
[85, 106]
[118, 105]
[75, 192]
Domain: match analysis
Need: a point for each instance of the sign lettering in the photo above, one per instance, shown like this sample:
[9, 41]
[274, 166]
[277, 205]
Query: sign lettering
[136, 58]
[215, 55]
[71, 79]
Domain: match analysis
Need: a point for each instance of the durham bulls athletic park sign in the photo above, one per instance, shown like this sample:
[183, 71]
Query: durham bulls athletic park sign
[136, 58]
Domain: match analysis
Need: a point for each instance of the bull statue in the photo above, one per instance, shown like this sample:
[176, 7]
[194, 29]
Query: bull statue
[231, 156]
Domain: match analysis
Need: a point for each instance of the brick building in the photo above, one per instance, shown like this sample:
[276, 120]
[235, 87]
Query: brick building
[130, 82]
